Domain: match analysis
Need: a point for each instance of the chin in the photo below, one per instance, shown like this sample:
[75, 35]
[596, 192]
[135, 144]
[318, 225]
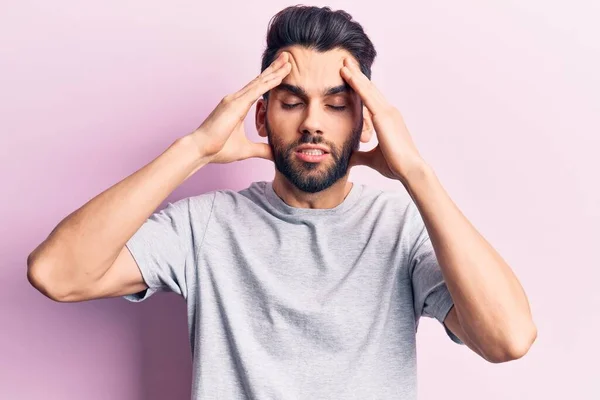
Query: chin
[313, 181]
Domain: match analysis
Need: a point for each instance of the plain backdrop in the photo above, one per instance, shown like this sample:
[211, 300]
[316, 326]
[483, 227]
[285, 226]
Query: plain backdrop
[501, 97]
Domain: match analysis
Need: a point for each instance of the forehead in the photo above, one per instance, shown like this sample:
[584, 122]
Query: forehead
[315, 71]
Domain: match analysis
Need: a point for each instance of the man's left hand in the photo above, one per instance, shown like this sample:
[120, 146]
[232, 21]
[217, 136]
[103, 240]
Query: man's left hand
[395, 155]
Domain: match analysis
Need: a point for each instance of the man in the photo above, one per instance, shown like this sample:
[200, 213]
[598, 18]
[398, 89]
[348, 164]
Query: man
[309, 286]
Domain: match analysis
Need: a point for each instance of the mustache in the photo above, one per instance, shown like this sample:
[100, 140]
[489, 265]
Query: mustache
[308, 138]
[312, 139]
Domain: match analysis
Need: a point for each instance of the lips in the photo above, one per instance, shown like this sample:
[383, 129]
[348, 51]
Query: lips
[311, 158]
[299, 149]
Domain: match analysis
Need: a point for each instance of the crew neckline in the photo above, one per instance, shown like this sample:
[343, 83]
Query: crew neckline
[278, 203]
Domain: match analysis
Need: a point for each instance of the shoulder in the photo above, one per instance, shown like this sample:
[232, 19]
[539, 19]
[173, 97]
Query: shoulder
[202, 201]
[395, 208]
[225, 199]
[387, 200]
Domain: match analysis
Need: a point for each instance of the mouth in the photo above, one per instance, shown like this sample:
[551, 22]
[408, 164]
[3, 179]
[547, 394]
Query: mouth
[311, 154]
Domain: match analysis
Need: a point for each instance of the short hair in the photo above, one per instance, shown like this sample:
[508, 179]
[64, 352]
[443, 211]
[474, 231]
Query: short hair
[320, 29]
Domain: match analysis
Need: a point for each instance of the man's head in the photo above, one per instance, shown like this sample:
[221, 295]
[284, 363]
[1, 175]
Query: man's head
[314, 106]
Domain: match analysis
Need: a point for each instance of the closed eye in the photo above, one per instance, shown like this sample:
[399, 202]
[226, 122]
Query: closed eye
[290, 106]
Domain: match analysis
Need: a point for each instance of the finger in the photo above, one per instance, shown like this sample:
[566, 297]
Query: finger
[266, 83]
[370, 95]
[241, 102]
[262, 150]
[244, 100]
[362, 157]
[356, 159]
[280, 60]
[275, 66]
[353, 160]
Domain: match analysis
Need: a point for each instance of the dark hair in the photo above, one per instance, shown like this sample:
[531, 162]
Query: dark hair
[320, 29]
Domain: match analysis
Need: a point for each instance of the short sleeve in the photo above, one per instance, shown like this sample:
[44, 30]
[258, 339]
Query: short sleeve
[430, 293]
[163, 247]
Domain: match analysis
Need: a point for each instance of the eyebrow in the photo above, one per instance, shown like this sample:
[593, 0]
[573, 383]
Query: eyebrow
[300, 92]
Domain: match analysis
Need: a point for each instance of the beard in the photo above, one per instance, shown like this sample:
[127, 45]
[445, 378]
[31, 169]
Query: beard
[313, 177]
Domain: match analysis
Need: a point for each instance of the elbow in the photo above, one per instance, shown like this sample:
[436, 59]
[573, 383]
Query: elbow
[515, 346]
[38, 275]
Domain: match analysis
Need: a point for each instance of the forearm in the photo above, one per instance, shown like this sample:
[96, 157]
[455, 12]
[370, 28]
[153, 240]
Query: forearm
[84, 244]
[490, 303]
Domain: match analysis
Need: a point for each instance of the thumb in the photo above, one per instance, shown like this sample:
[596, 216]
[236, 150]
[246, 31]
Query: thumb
[361, 158]
[261, 150]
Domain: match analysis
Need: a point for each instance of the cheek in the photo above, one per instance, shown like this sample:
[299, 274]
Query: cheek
[282, 128]
[284, 123]
[279, 117]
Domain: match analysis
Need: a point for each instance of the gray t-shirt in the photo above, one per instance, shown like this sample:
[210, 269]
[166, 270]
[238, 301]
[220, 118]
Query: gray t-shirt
[296, 303]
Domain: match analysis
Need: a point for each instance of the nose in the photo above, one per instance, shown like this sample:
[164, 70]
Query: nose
[312, 122]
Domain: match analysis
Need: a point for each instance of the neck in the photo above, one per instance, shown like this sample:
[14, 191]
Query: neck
[294, 197]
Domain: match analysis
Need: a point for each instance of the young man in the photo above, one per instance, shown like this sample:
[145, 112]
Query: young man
[308, 286]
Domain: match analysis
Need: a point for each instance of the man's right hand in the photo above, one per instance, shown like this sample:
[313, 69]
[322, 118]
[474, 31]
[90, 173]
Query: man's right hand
[84, 257]
[221, 137]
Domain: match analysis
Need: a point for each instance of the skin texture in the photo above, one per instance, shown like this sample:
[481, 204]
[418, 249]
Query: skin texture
[313, 120]
[491, 312]
[84, 257]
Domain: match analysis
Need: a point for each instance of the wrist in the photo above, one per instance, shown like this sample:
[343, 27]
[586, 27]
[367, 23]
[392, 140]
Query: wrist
[189, 150]
[416, 175]
[194, 148]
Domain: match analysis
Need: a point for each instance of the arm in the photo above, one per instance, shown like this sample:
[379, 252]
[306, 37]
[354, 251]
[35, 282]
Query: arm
[84, 256]
[76, 260]
[491, 313]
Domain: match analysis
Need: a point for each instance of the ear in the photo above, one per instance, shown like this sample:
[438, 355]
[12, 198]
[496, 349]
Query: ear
[260, 118]
[367, 131]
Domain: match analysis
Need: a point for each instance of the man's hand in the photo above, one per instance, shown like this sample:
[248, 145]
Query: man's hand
[395, 155]
[491, 312]
[221, 137]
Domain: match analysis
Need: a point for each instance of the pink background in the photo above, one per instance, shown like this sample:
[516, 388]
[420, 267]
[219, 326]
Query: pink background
[502, 99]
